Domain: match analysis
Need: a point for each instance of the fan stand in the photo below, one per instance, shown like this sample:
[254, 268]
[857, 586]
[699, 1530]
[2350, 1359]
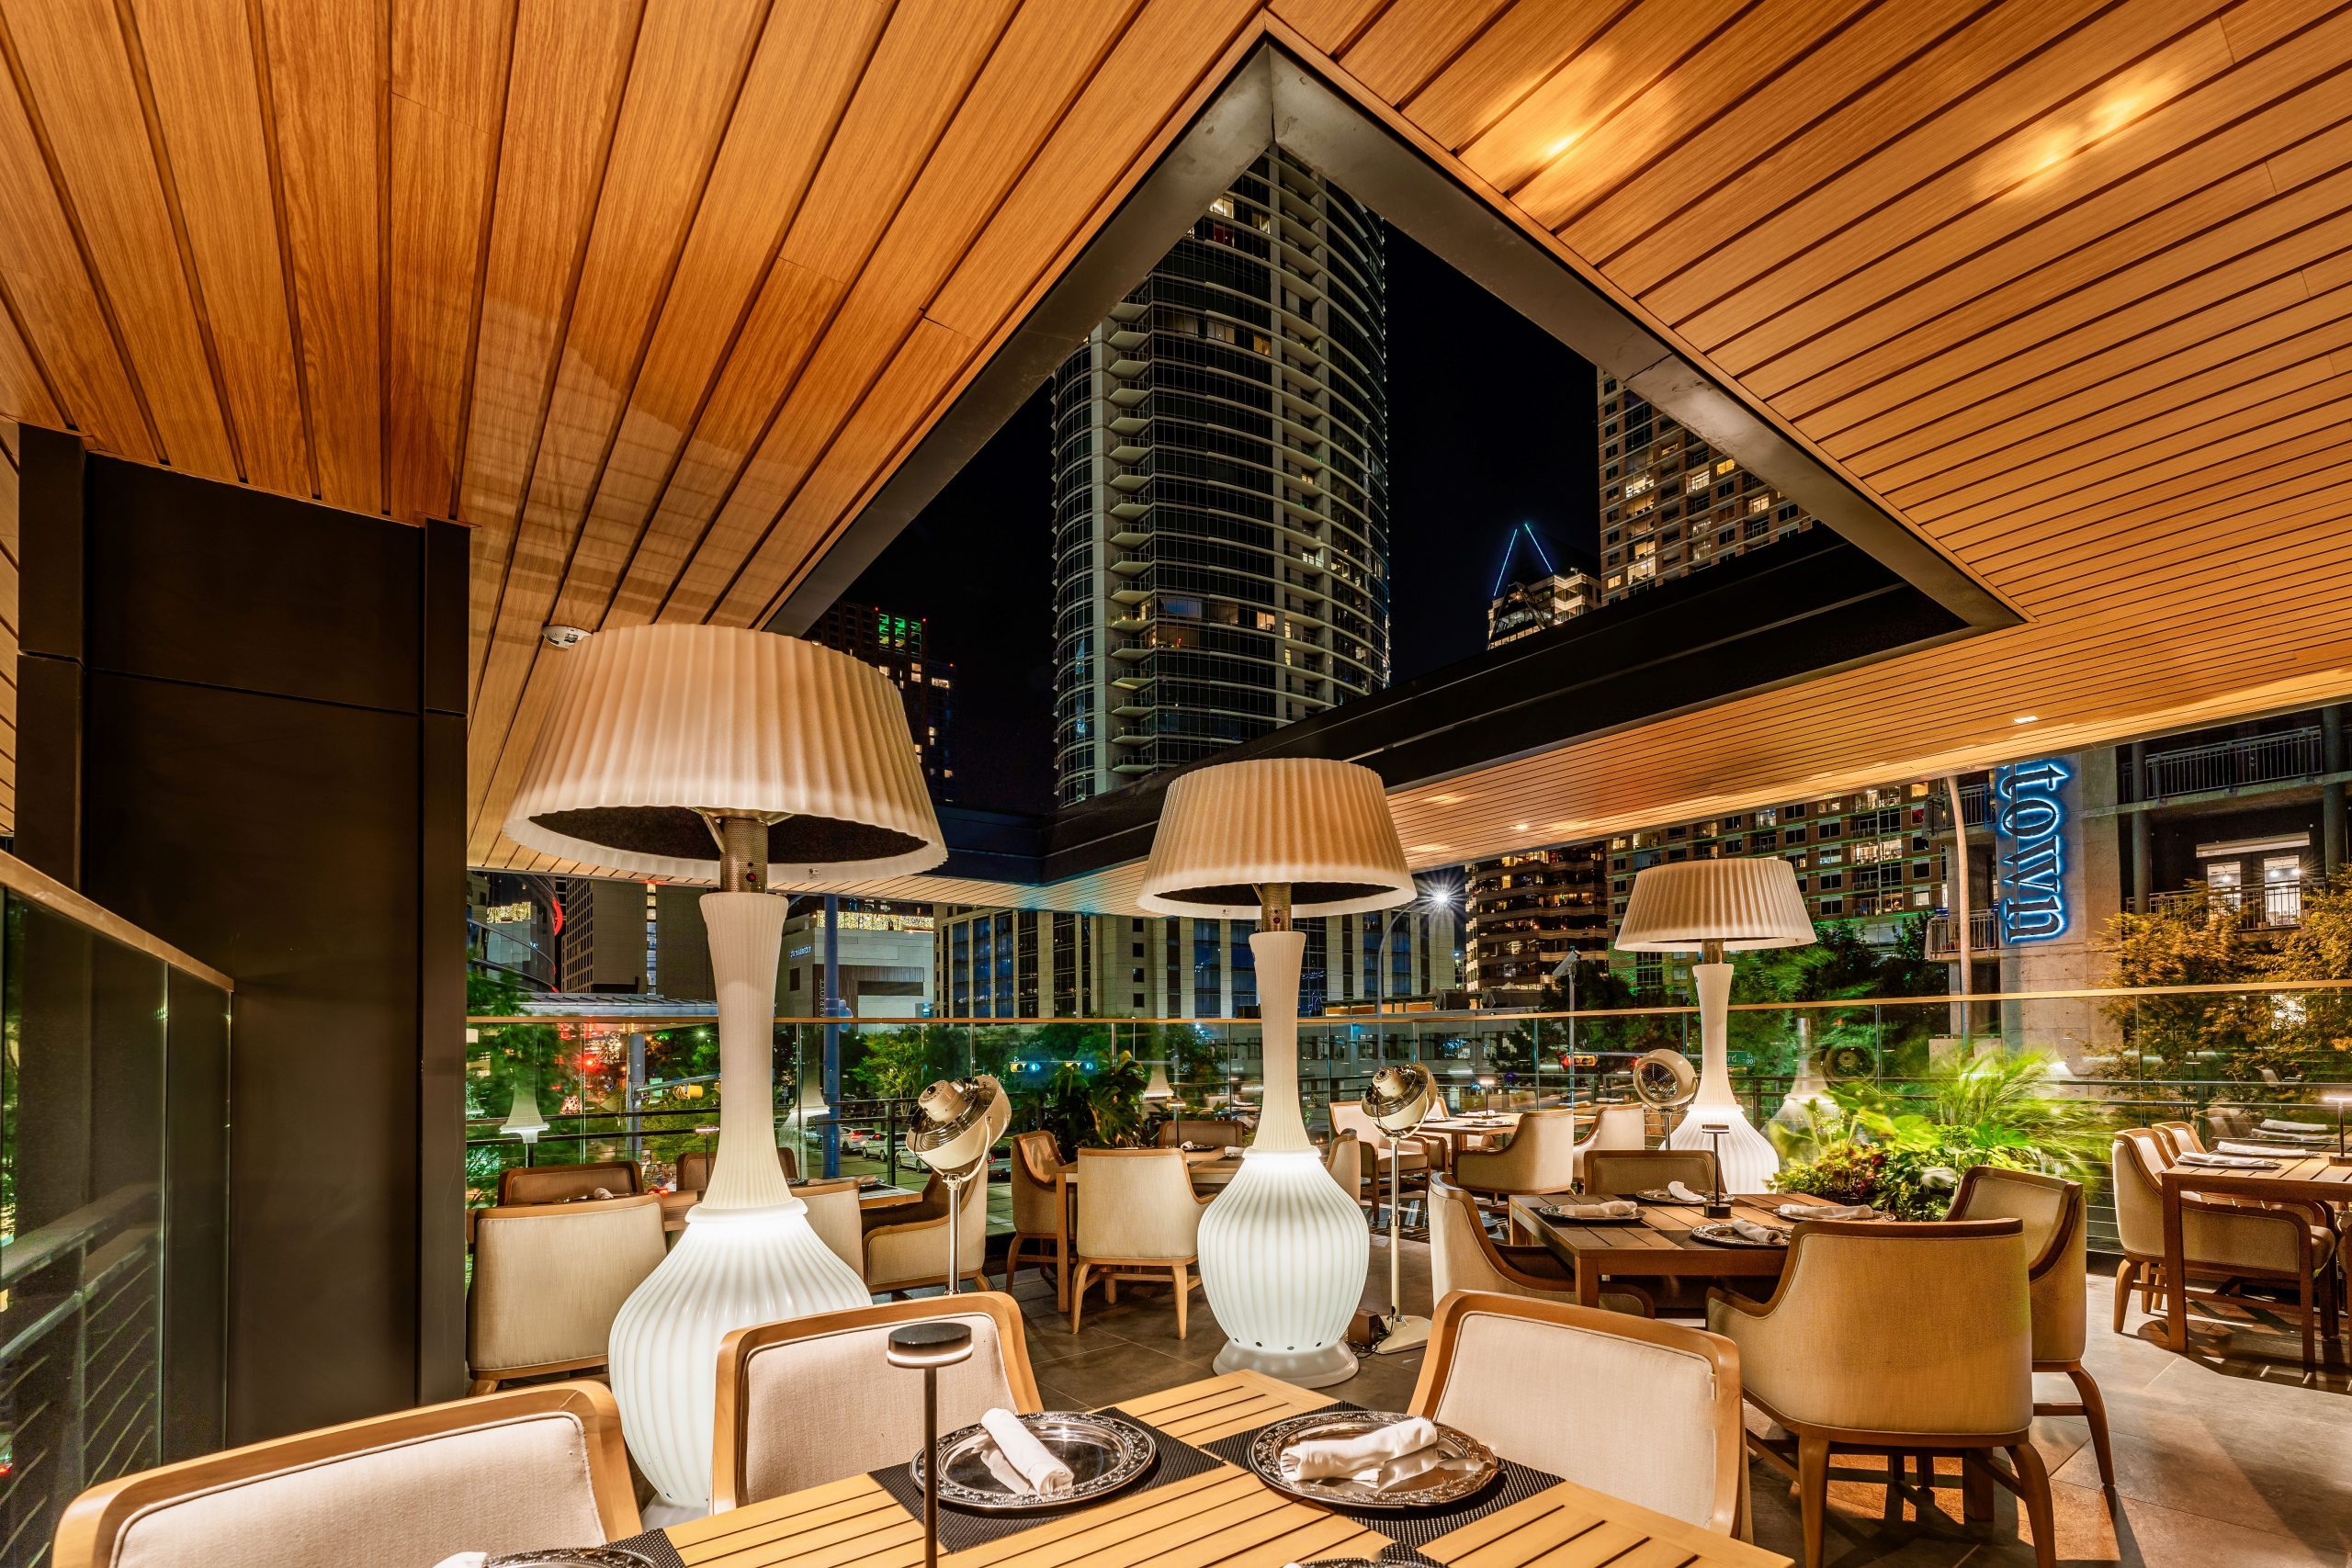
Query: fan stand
[1401, 1330]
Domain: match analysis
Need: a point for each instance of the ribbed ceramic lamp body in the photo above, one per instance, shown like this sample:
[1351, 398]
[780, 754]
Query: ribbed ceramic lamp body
[1748, 1160]
[1284, 1248]
[748, 1255]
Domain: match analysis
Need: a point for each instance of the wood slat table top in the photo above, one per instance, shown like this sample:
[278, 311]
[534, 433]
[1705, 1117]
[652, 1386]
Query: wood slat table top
[2298, 1177]
[1222, 1518]
[1662, 1244]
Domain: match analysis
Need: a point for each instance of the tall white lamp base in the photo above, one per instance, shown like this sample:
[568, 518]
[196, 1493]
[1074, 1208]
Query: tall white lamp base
[1749, 1162]
[1308, 1369]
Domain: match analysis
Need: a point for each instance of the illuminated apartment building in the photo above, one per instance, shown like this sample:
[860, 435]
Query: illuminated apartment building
[896, 646]
[1221, 487]
[1537, 593]
[1670, 503]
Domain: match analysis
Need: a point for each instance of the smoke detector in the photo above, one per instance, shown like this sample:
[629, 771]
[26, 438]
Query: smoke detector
[562, 637]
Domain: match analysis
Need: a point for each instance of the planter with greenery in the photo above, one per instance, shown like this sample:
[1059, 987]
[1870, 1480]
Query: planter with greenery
[1903, 1152]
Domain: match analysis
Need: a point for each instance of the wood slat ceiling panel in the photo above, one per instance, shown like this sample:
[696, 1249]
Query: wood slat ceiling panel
[656, 293]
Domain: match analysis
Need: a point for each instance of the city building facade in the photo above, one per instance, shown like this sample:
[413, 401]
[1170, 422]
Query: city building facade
[1670, 502]
[899, 647]
[1220, 488]
[1531, 592]
[1051, 963]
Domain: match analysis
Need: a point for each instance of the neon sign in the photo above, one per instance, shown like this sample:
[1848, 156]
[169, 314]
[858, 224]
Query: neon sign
[2030, 821]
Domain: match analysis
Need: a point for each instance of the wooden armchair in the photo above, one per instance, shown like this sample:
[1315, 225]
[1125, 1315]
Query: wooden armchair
[906, 1246]
[1540, 1158]
[1138, 1219]
[1040, 1213]
[550, 1279]
[520, 1184]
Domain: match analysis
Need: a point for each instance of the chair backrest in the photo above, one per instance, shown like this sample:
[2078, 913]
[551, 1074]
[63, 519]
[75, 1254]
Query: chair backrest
[1209, 1131]
[566, 1183]
[813, 1399]
[1344, 1160]
[1639, 1170]
[694, 1168]
[1618, 1127]
[1136, 1203]
[533, 1467]
[1540, 1158]
[1906, 1327]
[2056, 1249]
[2137, 1155]
[1642, 1410]
[1458, 1243]
[1350, 1116]
[549, 1278]
[833, 1215]
[2183, 1138]
[1036, 1160]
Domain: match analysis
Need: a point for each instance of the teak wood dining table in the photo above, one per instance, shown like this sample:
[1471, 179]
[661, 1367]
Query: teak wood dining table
[1660, 1245]
[1223, 1517]
[2300, 1178]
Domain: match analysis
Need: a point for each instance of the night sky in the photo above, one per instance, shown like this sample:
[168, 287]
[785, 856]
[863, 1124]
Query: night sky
[1490, 424]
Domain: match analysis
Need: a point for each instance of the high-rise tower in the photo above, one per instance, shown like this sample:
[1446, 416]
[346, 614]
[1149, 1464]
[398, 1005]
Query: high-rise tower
[1220, 493]
[1670, 502]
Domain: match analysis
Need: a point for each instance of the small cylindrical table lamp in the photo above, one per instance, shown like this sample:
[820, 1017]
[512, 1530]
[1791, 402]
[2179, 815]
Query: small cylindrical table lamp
[930, 1345]
[1284, 1249]
[708, 754]
[1712, 907]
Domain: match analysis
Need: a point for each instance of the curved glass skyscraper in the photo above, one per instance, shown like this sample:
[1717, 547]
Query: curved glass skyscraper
[1220, 496]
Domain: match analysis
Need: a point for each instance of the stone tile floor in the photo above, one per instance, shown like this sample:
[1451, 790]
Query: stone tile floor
[2228, 1456]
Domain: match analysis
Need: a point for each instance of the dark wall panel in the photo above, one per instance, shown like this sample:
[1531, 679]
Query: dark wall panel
[265, 702]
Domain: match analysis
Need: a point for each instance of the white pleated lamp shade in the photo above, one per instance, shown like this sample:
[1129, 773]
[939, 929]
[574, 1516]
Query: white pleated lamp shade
[1744, 904]
[1321, 827]
[651, 725]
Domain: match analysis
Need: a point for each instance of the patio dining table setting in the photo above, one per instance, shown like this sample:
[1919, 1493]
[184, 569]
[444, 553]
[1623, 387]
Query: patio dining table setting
[1670, 1240]
[1202, 1500]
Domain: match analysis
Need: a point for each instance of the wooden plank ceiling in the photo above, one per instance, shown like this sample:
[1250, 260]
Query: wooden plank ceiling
[653, 293]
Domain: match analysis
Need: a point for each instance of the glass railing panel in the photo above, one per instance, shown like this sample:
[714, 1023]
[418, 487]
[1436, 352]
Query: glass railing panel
[113, 1216]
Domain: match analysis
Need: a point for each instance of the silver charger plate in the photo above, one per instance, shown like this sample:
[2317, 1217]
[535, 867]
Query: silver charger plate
[1660, 1195]
[1468, 1464]
[1104, 1452]
[576, 1557]
[1719, 1234]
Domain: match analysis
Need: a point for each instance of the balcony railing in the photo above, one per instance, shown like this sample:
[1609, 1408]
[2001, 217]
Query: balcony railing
[2273, 905]
[1943, 933]
[2233, 764]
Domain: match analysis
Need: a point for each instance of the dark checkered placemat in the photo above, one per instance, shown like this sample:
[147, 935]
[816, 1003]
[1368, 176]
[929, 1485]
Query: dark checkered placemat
[654, 1547]
[1410, 1526]
[961, 1528]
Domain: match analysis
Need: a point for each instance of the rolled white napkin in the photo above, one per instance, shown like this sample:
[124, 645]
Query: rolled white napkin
[1614, 1209]
[1681, 1194]
[2273, 1125]
[1826, 1212]
[1359, 1458]
[463, 1560]
[1749, 1230]
[1032, 1464]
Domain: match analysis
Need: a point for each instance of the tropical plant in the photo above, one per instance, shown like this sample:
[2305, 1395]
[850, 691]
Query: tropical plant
[1903, 1152]
[1084, 1106]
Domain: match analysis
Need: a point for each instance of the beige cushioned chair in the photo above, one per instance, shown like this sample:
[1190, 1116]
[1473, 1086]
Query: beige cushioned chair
[1137, 1218]
[2218, 1241]
[1344, 1158]
[812, 1399]
[531, 1467]
[1648, 1412]
[1614, 1172]
[1040, 1213]
[834, 1214]
[1614, 1127]
[523, 1184]
[1540, 1158]
[1463, 1256]
[1206, 1132]
[694, 1168]
[1895, 1338]
[2055, 1240]
[902, 1254]
[548, 1278]
[1416, 1156]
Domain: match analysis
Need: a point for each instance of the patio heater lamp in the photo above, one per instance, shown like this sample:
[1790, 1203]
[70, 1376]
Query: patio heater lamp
[715, 755]
[524, 1119]
[1398, 1102]
[957, 1121]
[1712, 907]
[1284, 1248]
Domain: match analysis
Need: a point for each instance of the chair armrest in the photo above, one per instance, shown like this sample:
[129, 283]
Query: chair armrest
[1746, 1304]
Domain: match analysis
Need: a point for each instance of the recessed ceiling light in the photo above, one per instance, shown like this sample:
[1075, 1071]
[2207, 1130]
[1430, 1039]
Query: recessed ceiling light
[1520, 826]
[2025, 719]
[1447, 799]
[1426, 849]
